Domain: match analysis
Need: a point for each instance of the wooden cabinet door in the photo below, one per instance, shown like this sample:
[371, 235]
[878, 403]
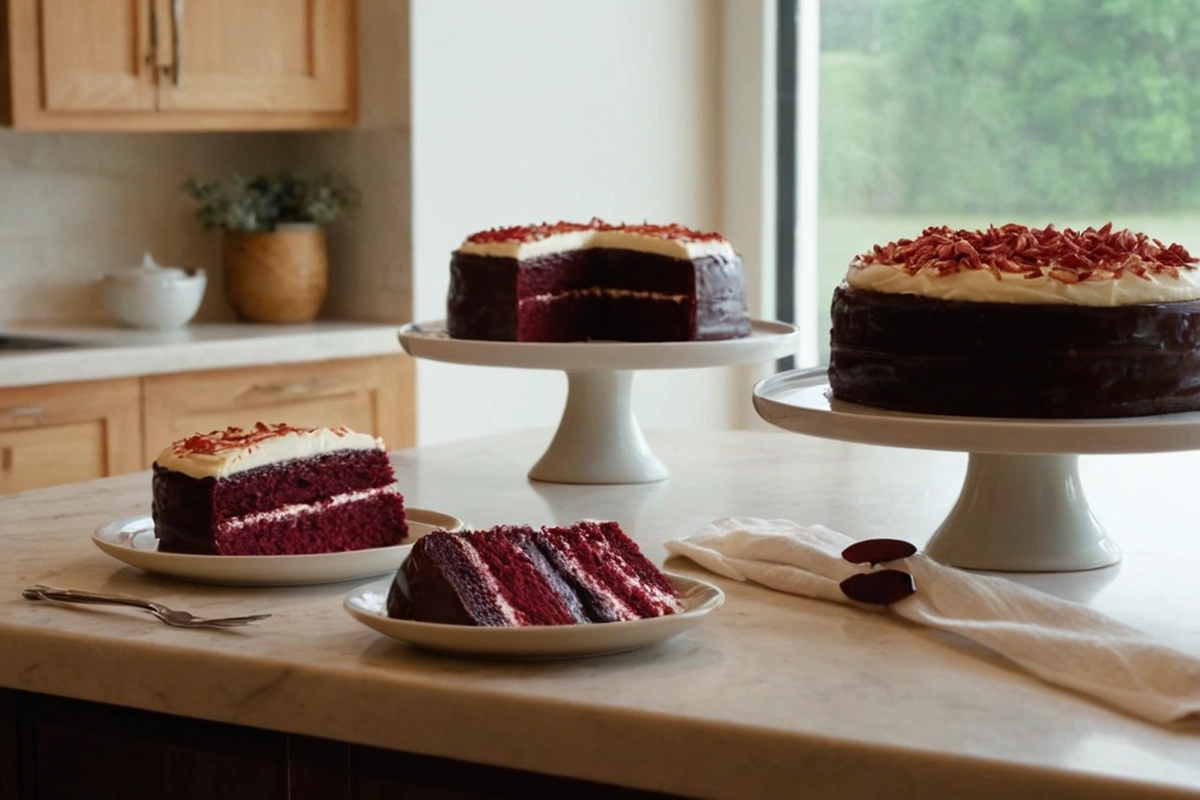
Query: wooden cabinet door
[370, 395]
[68, 432]
[257, 55]
[97, 55]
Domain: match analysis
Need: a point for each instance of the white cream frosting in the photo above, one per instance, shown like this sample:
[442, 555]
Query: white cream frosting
[610, 239]
[985, 286]
[292, 444]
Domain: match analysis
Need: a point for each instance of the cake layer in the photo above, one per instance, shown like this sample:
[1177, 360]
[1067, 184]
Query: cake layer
[338, 525]
[515, 576]
[298, 481]
[934, 356]
[596, 294]
[264, 488]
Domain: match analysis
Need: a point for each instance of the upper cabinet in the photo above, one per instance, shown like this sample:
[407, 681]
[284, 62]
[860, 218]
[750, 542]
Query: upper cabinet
[178, 64]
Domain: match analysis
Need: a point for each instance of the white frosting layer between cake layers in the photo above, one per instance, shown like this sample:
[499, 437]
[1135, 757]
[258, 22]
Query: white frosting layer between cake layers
[293, 444]
[599, 292]
[494, 590]
[984, 286]
[298, 509]
[615, 240]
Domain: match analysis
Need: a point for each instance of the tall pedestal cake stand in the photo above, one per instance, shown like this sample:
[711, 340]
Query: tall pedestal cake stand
[1022, 506]
[598, 438]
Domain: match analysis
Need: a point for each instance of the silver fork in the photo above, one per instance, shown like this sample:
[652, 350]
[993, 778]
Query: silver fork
[180, 619]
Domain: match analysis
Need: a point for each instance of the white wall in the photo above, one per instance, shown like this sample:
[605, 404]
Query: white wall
[531, 110]
[370, 250]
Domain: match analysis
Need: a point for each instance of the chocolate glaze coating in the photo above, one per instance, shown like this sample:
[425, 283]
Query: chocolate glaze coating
[486, 294]
[912, 353]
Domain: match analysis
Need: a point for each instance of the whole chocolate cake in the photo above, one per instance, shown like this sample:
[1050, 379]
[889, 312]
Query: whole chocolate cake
[513, 575]
[1020, 322]
[276, 490]
[574, 282]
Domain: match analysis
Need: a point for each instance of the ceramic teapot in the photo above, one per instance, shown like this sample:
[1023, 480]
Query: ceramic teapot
[154, 296]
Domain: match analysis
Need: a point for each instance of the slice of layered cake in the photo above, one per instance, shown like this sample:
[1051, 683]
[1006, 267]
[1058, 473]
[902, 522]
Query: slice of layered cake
[517, 576]
[276, 490]
[573, 282]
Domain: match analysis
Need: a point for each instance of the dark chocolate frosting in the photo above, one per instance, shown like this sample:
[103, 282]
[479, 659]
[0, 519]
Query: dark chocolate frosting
[596, 294]
[912, 353]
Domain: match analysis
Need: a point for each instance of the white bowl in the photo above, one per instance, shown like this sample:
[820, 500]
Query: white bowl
[159, 299]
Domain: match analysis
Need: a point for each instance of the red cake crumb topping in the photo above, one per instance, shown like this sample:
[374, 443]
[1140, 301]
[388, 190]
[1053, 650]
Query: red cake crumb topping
[533, 233]
[1067, 256]
[236, 438]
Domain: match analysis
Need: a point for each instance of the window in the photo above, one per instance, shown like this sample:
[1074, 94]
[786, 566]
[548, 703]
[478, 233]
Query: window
[966, 113]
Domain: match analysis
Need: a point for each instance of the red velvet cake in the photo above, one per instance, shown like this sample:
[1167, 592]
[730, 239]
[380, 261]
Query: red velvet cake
[276, 490]
[574, 282]
[1020, 322]
[517, 576]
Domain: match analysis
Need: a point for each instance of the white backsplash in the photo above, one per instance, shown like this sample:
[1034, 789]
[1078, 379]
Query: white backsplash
[73, 206]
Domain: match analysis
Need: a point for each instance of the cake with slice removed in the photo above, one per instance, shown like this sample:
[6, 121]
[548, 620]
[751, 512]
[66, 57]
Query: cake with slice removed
[570, 282]
[513, 575]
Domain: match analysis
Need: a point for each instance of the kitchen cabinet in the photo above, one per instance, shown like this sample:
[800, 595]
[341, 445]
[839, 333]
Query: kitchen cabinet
[68, 432]
[368, 394]
[54, 748]
[178, 64]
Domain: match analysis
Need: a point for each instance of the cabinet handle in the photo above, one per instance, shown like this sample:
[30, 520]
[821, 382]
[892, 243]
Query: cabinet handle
[25, 411]
[177, 42]
[152, 56]
[295, 389]
[6, 459]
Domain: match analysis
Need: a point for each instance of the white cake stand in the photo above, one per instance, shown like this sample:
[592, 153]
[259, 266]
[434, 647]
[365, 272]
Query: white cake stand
[1022, 506]
[598, 438]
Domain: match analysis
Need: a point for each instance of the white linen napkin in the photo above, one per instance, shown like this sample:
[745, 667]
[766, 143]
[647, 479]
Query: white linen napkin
[1061, 642]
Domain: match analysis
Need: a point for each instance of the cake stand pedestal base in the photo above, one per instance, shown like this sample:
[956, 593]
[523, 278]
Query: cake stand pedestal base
[1022, 513]
[598, 438]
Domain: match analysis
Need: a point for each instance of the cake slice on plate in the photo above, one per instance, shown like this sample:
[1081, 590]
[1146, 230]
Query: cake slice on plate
[515, 576]
[276, 490]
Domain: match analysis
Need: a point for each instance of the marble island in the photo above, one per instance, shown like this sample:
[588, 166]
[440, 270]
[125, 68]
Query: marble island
[773, 696]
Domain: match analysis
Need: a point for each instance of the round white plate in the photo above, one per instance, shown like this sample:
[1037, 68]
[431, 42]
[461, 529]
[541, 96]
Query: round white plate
[132, 541]
[699, 598]
[767, 340]
[801, 401]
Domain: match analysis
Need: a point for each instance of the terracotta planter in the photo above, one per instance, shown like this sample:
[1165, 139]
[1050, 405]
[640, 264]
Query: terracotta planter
[275, 277]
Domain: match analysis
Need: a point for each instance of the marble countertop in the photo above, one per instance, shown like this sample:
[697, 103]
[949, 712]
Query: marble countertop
[112, 352]
[773, 696]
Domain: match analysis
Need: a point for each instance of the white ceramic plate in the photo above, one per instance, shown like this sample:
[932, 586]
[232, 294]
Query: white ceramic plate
[767, 340]
[132, 541]
[700, 598]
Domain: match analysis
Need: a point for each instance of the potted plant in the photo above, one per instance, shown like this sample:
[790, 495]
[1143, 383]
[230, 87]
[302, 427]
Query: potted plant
[273, 251]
